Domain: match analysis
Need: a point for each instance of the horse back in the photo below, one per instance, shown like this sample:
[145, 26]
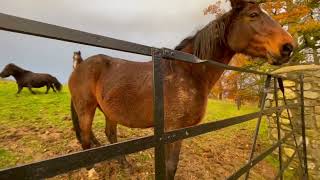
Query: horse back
[88, 73]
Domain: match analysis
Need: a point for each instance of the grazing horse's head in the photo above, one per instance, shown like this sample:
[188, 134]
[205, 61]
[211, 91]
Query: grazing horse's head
[9, 69]
[253, 32]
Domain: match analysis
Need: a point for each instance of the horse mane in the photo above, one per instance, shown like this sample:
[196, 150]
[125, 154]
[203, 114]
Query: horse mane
[206, 40]
[17, 68]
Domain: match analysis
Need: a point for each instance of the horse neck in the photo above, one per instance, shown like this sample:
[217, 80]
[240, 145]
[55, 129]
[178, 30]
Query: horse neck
[205, 73]
[19, 73]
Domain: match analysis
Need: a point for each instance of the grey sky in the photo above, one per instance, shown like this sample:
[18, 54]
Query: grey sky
[161, 23]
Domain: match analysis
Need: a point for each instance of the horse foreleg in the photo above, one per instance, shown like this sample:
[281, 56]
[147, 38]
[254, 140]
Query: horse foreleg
[172, 158]
[111, 133]
[85, 121]
[52, 87]
[19, 89]
[48, 87]
[29, 87]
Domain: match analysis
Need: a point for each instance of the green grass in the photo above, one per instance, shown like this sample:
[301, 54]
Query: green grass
[219, 110]
[51, 112]
[7, 158]
[42, 110]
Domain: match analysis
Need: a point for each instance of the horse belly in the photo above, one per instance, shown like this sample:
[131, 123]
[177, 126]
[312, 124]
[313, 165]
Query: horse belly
[129, 113]
[127, 102]
[38, 84]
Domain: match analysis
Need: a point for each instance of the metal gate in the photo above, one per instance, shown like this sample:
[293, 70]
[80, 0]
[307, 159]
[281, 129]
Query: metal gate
[63, 164]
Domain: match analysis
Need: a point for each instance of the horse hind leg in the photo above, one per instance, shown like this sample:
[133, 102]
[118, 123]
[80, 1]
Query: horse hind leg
[172, 158]
[19, 89]
[85, 112]
[94, 140]
[30, 89]
[111, 133]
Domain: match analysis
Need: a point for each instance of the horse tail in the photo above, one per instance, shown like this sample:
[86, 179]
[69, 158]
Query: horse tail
[57, 84]
[75, 121]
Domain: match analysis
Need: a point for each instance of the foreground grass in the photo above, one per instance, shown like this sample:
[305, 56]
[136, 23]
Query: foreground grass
[42, 110]
[39, 126]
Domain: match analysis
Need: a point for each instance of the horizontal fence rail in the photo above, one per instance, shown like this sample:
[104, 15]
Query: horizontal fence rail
[63, 164]
[217, 125]
[35, 28]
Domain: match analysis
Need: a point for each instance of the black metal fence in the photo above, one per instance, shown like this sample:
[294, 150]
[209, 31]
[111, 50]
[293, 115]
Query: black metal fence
[63, 164]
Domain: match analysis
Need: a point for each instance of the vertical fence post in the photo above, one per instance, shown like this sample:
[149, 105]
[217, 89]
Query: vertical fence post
[278, 125]
[281, 86]
[303, 129]
[158, 114]
[263, 102]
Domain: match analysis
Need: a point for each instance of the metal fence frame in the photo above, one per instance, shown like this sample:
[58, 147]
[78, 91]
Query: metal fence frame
[62, 164]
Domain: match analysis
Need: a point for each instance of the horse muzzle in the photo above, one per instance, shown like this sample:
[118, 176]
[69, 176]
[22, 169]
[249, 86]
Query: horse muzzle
[3, 75]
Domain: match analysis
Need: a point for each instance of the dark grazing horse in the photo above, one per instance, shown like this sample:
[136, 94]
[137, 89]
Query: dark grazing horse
[30, 79]
[122, 89]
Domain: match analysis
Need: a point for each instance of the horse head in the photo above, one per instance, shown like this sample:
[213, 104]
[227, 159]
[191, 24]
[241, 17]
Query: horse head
[8, 70]
[253, 32]
[77, 59]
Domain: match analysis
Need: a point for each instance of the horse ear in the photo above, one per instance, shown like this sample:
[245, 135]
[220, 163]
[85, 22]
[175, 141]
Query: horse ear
[79, 52]
[237, 4]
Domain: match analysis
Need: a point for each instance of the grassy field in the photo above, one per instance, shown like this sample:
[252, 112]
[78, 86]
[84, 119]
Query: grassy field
[35, 127]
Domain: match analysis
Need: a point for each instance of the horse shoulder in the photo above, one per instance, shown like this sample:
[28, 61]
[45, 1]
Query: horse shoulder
[185, 99]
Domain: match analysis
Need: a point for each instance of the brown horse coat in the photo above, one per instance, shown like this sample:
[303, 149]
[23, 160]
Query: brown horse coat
[123, 89]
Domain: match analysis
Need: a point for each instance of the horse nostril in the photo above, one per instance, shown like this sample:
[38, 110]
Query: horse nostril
[286, 49]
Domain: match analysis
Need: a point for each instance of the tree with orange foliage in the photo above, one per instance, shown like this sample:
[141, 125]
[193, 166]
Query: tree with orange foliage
[301, 18]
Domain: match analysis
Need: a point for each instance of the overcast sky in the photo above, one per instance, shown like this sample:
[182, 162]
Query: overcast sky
[159, 23]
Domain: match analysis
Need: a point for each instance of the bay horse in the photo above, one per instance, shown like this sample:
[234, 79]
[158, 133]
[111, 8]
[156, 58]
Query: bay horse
[122, 89]
[77, 59]
[25, 78]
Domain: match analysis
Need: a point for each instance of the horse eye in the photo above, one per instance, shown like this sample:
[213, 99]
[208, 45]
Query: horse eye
[253, 14]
